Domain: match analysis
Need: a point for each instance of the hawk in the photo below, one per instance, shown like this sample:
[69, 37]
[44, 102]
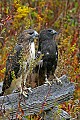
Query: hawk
[48, 63]
[18, 60]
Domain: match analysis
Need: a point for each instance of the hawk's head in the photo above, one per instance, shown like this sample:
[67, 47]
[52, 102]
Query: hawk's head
[27, 36]
[47, 34]
[26, 40]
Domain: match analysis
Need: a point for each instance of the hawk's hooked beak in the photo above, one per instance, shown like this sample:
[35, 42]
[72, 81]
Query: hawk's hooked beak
[54, 32]
[35, 34]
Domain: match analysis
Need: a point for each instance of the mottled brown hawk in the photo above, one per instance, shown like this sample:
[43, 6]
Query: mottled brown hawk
[18, 61]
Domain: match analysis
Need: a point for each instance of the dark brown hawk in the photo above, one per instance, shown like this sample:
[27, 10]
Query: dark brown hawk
[48, 63]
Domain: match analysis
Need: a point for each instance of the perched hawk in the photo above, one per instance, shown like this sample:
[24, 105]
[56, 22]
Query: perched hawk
[23, 53]
[47, 47]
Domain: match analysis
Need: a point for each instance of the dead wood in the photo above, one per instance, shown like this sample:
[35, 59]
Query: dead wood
[41, 98]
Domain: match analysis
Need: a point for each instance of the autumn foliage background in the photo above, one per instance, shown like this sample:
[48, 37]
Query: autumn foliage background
[61, 15]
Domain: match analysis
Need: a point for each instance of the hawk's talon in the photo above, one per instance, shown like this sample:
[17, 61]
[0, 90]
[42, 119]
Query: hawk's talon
[47, 81]
[25, 94]
[29, 89]
[25, 91]
[57, 79]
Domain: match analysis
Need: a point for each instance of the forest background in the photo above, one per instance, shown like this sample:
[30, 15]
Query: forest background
[61, 15]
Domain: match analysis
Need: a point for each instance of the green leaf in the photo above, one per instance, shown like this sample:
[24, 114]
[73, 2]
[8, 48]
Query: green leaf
[76, 4]
[3, 30]
[0, 15]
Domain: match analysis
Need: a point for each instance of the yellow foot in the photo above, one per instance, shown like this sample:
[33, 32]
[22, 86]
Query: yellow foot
[25, 91]
[57, 80]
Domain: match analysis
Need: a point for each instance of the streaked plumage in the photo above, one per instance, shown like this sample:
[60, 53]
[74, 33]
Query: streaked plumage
[25, 47]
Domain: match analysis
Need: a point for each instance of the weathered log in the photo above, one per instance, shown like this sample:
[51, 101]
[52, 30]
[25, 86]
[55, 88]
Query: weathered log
[41, 98]
[55, 114]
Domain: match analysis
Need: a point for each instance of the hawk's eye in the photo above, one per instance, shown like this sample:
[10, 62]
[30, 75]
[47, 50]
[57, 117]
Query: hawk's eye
[31, 33]
[50, 30]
